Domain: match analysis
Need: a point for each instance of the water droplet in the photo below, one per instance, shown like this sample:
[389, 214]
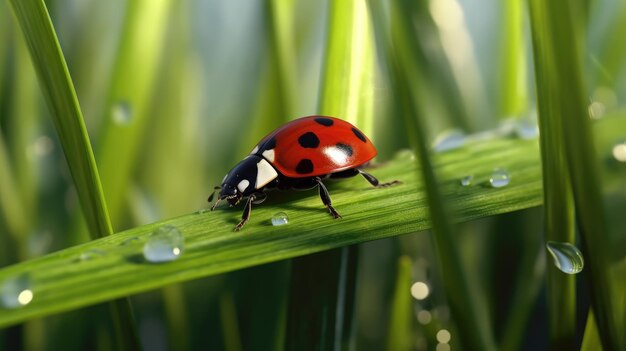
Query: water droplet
[165, 244]
[619, 151]
[465, 181]
[280, 218]
[567, 258]
[122, 112]
[449, 140]
[499, 178]
[16, 292]
[91, 254]
[526, 128]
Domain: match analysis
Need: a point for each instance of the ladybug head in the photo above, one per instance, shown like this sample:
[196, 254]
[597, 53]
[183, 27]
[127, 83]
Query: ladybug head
[247, 177]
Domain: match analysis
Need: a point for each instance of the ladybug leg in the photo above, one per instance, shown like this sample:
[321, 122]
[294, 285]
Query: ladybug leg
[372, 180]
[326, 198]
[255, 198]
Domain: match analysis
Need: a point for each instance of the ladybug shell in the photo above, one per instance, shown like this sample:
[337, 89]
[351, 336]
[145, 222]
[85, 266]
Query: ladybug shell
[315, 145]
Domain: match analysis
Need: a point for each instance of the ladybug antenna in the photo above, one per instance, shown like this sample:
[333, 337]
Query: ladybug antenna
[213, 193]
[215, 204]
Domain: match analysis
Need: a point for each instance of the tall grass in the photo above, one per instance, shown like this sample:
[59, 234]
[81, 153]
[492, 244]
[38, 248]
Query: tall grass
[173, 94]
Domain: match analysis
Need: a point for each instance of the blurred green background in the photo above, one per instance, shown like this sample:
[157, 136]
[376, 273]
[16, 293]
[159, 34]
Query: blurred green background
[174, 93]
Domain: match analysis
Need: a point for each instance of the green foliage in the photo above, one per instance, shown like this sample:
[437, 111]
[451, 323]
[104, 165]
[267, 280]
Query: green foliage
[173, 93]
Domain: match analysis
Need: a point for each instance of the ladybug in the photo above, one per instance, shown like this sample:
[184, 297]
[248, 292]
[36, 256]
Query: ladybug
[298, 155]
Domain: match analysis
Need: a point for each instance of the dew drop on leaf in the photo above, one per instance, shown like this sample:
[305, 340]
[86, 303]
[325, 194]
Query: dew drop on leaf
[499, 178]
[16, 292]
[567, 257]
[280, 218]
[165, 244]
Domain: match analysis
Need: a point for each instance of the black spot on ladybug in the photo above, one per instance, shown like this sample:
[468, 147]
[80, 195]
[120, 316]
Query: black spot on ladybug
[270, 144]
[309, 140]
[326, 122]
[347, 149]
[305, 166]
[359, 134]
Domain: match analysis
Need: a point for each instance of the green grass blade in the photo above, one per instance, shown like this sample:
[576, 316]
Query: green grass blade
[127, 112]
[58, 91]
[467, 308]
[558, 62]
[61, 283]
[60, 95]
[399, 333]
[321, 305]
[558, 199]
[591, 339]
[513, 98]
[346, 87]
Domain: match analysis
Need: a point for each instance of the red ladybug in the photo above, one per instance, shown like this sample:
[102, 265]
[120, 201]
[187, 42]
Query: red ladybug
[299, 155]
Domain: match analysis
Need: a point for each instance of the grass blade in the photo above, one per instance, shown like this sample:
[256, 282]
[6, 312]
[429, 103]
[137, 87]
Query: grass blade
[60, 95]
[399, 334]
[468, 310]
[558, 55]
[63, 283]
[127, 111]
[558, 200]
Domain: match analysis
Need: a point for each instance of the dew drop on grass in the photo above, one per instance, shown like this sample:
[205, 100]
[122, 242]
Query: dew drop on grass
[280, 218]
[465, 181]
[91, 254]
[122, 112]
[567, 257]
[449, 140]
[499, 178]
[16, 292]
[165, 244]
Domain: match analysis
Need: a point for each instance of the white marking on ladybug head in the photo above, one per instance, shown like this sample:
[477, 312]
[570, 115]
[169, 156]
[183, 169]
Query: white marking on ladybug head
[265, 173]
[269, 155]
[254, 151]
[243, 185]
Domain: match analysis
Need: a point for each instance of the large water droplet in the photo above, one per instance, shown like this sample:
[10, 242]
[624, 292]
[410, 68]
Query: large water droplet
[449, 140]
[165, 244]
[16, 292]
[619, 151]
[499, 178]
[280, 218]
[465, 181]
[567, 258]
[122, 112]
